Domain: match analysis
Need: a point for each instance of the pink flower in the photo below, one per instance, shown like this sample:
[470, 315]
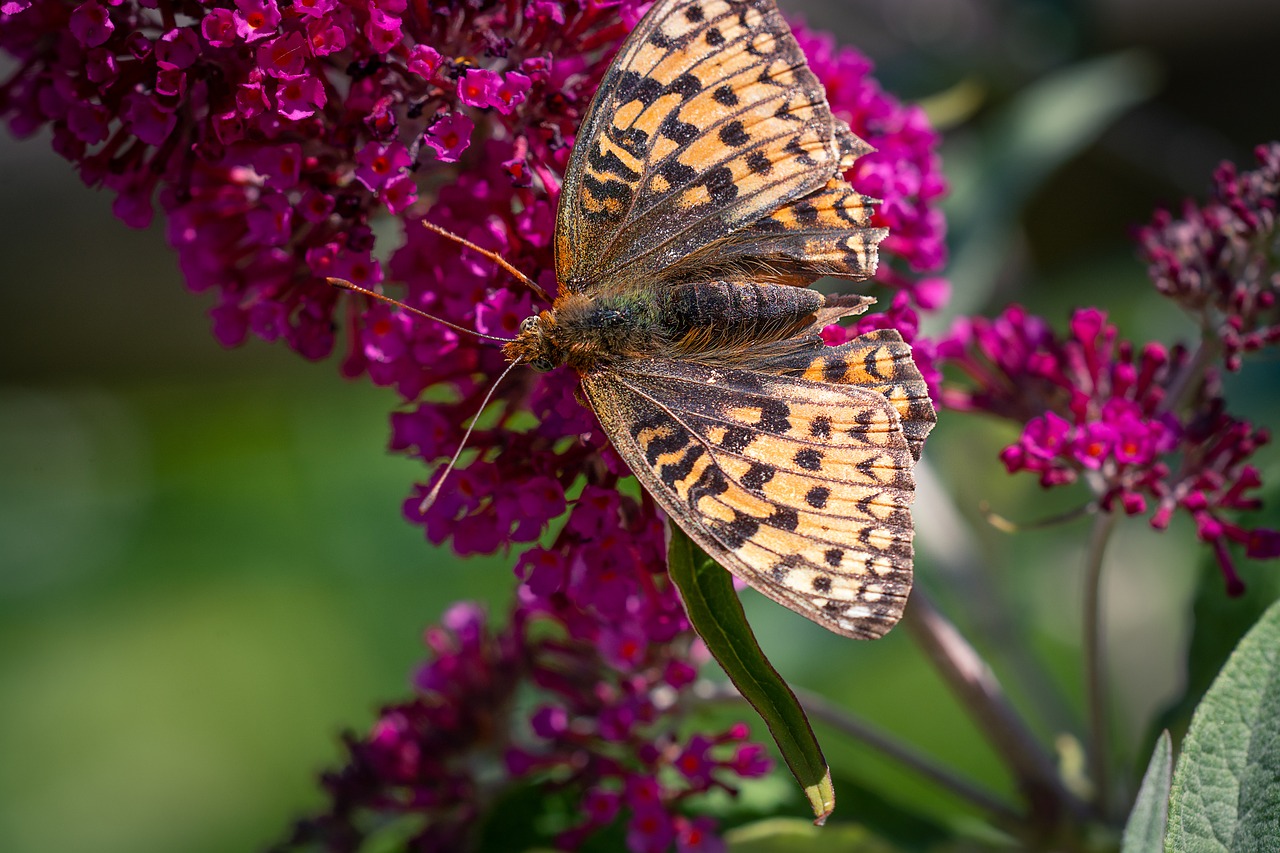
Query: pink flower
[178, 48]
[424, 60]
[479, 88]
[219, 27]
[171, 84]
[376, 163]
[256, 19]
[324, 37]
[284, 56]
[450, 136]
[512, 92]
[399, 193]
[314, 8]
[299, 97]
[89, 122]
[147, 119]
[280, 165]
[383, 30]
[90, 24]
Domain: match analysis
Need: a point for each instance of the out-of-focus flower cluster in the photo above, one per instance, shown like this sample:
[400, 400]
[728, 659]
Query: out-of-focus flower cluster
[1219, 261]
[274, 138]
[1146, 425]
[603, 743]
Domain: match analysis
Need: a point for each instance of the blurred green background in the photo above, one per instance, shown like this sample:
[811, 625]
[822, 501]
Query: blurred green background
[204, 574]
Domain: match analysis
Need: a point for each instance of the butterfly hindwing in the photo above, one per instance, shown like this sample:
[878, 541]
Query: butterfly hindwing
[709, 120]
[800, 488]
[879, 361]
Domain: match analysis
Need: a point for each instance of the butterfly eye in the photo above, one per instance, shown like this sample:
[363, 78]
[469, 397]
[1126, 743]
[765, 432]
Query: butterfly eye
[541, 364]
[528, 324]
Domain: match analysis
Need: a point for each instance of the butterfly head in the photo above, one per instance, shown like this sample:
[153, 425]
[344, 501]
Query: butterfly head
[536, 345]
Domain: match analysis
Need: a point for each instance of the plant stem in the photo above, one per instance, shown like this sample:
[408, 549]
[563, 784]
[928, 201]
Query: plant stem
[978, 691]
[1182, 387]
[820, 708]
[1095, 682]
[951, 548]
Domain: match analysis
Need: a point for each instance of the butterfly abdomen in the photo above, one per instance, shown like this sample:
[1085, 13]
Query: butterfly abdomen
[722, 314]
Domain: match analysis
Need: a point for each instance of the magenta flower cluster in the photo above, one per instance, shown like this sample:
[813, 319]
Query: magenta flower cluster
[606, 744]
[1146, 425]
[274, 137]
[1218, 261]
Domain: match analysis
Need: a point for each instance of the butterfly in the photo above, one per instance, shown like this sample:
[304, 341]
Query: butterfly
[704, 192]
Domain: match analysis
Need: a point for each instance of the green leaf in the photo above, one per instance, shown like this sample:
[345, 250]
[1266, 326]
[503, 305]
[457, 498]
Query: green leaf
[1226, 788]
[716, 614]
[1220, 621]
[1145, 829]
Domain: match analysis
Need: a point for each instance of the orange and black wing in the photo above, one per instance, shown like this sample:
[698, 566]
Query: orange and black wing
[709, 152]
[879, 361]
[800, 488]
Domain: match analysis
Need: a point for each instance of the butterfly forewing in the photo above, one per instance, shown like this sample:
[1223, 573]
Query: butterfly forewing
[800, 488]
[824, 233]
[709, 120]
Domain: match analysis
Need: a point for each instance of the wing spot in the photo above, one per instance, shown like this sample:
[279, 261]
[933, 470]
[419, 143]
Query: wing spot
[809, 459]
[725, 96]
[774, 417]
[817, 497]
[634, 87]
[715, 38]
[676, 173]
[737, 438]
[833, 556]
[720, 185]
[686, 86]
[694, 14]
[759, 163]
[672, 473]
[740, 530]
[820, 427]
[757, 475]
[806, 213]
[796, 149]
[712, 483]
[678, 131]
[784, 518]
[735, 134]
[822, 583]
[834, 369]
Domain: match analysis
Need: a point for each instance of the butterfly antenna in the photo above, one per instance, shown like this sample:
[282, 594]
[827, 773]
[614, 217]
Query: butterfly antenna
[435, 490]
[343, 284]
[486, 253]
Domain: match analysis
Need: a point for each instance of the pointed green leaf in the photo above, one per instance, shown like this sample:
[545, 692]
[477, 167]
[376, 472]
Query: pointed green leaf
[1145, 830]
[1220, 620]
[1226, 788]
[716, 614]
